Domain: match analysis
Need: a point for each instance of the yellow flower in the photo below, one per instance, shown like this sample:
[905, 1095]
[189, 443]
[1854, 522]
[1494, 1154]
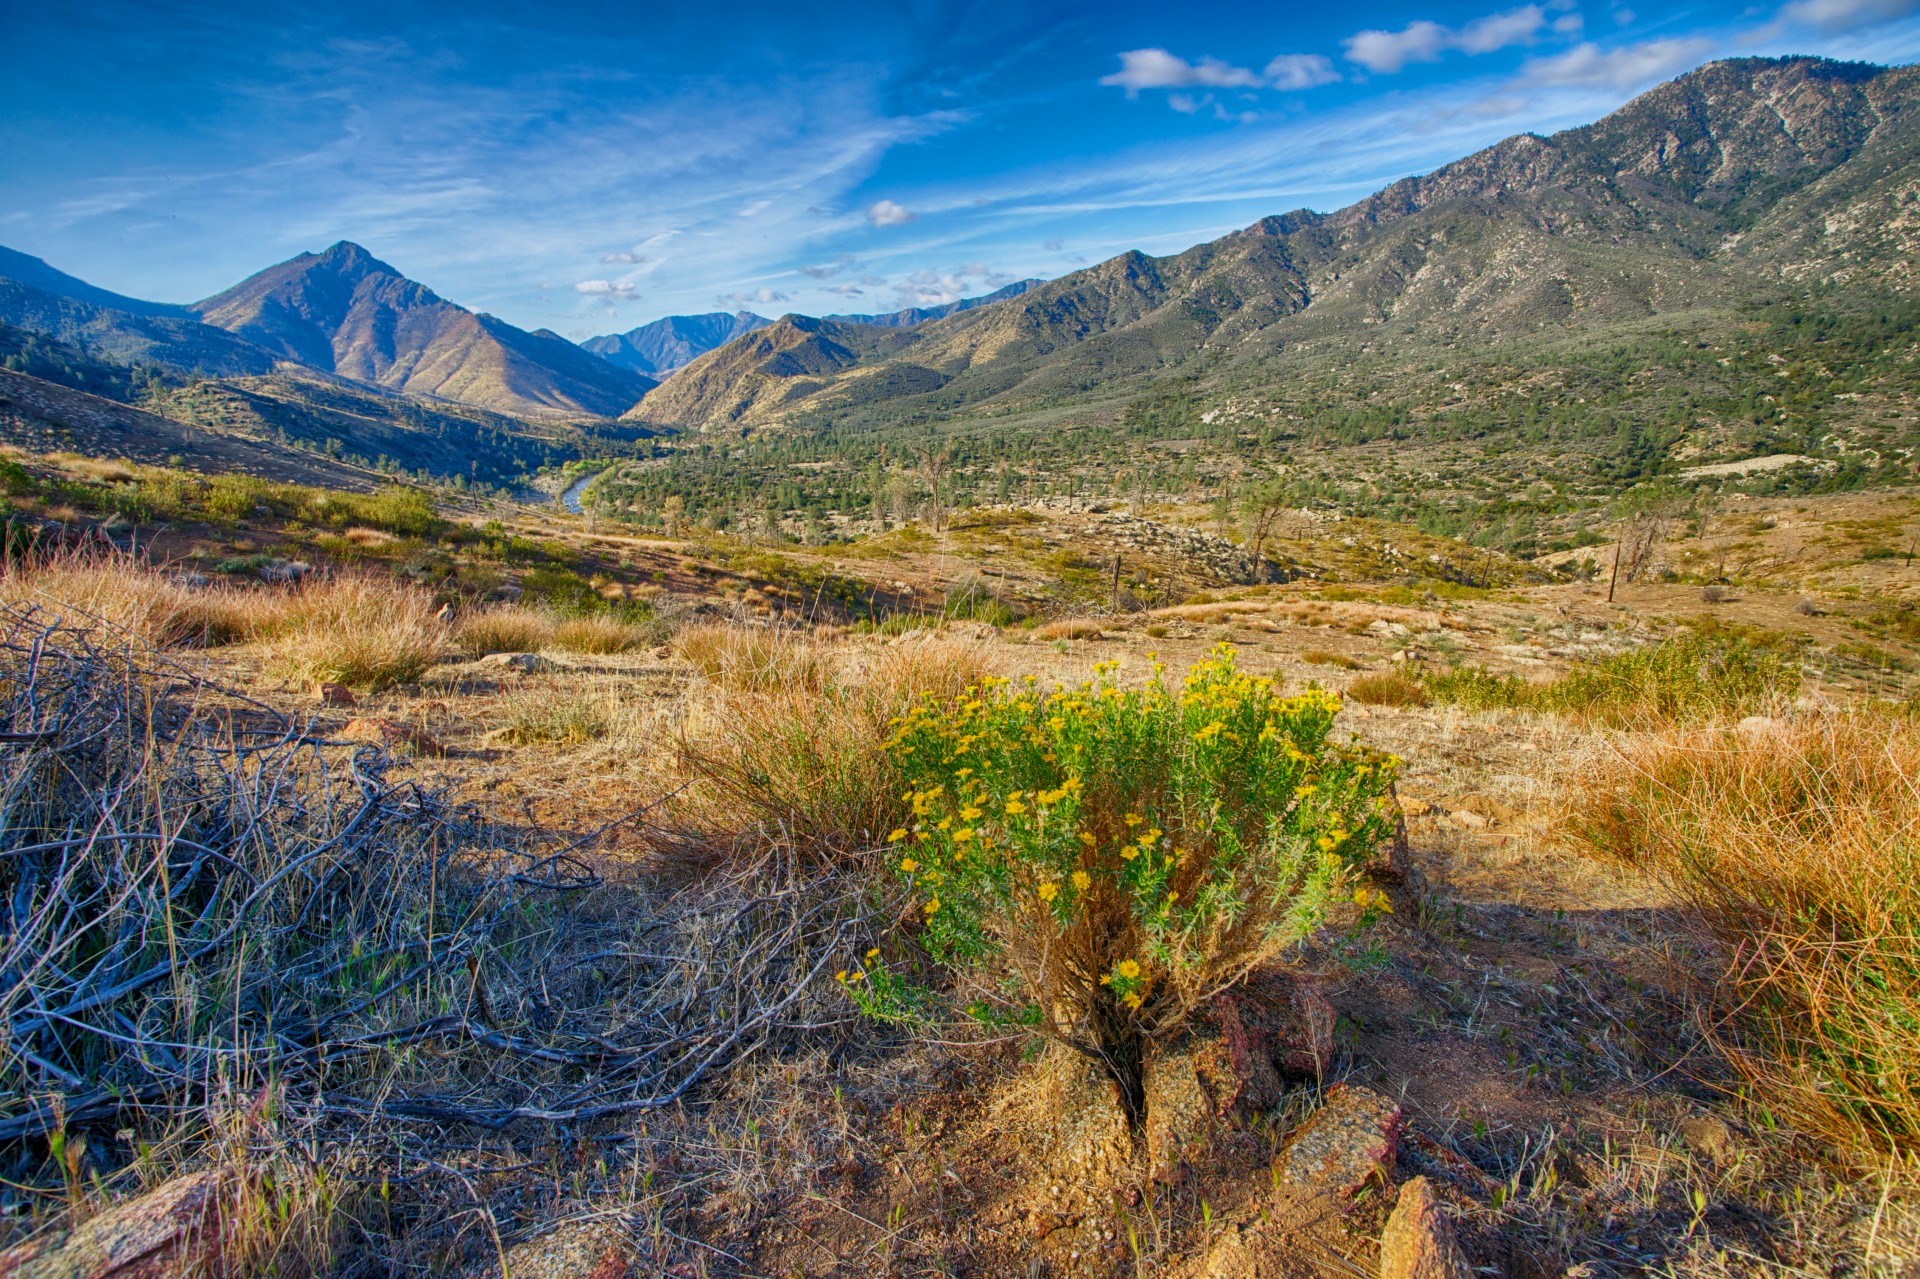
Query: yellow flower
[1015, 807]
[1080, 881]
[855, 976]
[1134, 819]
[1048, 891]
[874, 953]
[908, 865]
[1086, 837]
[899, 833]
[1133, 1000]
[932, 907]
[962, 835]
[1128, 968]
[1129, 852]
[841, 976]
[969, 814]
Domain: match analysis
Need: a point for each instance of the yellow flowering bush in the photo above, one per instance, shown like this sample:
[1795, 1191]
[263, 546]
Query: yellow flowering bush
[1097, 861]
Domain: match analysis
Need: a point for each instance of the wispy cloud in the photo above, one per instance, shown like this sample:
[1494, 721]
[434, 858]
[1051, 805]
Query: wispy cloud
[1846, 15]
[605, 288]
[1158, 69]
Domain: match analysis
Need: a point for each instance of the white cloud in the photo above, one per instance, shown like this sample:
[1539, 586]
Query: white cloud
[887, 213]
[1301, 71]
[606, 288]
[1625, 68]
[937, 288]
[1569, 24]
[1158, 69]
[762, 296]
[620, 257]
[847, 290]
[1387, 52]
[1845, 15]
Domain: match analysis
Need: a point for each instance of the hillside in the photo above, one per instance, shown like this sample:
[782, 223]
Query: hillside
[346, 312]
[913, 315]
[1690, 197]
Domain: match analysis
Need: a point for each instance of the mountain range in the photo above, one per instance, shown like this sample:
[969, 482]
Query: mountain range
[1693, 195]
[1695, 198]
[672, 343]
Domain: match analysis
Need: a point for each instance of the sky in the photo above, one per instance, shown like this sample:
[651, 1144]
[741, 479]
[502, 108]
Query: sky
[586, 167]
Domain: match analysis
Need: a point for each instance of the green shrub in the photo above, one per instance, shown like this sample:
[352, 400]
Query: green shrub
[1098, 862]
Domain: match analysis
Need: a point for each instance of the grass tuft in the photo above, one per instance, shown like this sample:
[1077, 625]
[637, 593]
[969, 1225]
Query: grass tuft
[1388, 688]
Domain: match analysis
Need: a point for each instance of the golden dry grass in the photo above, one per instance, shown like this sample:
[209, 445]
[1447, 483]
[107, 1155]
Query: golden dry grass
[1799, 846]
[598, 635]
[119, 593]
[784, 739]
[363, 631]
[503, 628]
[1387, 688]
[1070, 628]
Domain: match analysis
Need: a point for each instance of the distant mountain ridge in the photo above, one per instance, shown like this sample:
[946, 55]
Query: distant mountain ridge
[1691, 196]
[907, 318]
[344, 311]
[677, 340]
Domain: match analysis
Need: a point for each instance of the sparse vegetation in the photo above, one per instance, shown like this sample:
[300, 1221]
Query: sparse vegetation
[1798, 846]
[360, 631]
[1388, 688]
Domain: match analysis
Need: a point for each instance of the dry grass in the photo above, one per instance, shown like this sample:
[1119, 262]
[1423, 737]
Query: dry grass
[118, 594]
[363, 631]
[1070, 628]
[547, 716]
[786, 741]
[1800, 848]
[1387, 688]
[599, 635]
[503, 628]
[1320, 657]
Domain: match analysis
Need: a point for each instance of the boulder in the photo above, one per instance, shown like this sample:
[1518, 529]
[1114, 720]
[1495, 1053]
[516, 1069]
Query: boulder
[577, 1250]
[1419, 1241]
[1352, 1139]
[169, 1233]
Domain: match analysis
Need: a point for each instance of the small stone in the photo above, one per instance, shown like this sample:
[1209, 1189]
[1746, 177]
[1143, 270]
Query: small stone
[1352, 1139]
[332, 694]
[1419, 1241]
[525, 663]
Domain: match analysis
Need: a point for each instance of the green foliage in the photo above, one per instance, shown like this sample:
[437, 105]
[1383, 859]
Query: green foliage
[1112, 856]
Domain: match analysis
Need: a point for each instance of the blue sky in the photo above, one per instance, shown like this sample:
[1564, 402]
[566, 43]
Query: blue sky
[587, 167]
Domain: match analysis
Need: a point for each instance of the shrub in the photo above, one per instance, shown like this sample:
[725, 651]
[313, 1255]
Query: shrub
[1388, 688]
[1480, 690]
[1798, 849]
[503, 628]
[752, 659]
[1320, 657]
[1101, 861]
[362, 631]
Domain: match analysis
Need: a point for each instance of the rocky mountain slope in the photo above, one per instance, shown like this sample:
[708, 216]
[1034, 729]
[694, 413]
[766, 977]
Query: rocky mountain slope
[344, 311]
[1690, 197]
[910, 316]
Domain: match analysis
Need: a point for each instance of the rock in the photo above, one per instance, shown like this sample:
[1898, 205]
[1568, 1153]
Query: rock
[578, 1250]
[1230, 1067]
[332, 694]
[284, 571]
[1419, 1242]
[1708, 1136]
[1352, 1139]
[525, 663]
[1083, 1127]
[390, 734]
[167, 1233]
[1467, 819]
[1761, 725]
